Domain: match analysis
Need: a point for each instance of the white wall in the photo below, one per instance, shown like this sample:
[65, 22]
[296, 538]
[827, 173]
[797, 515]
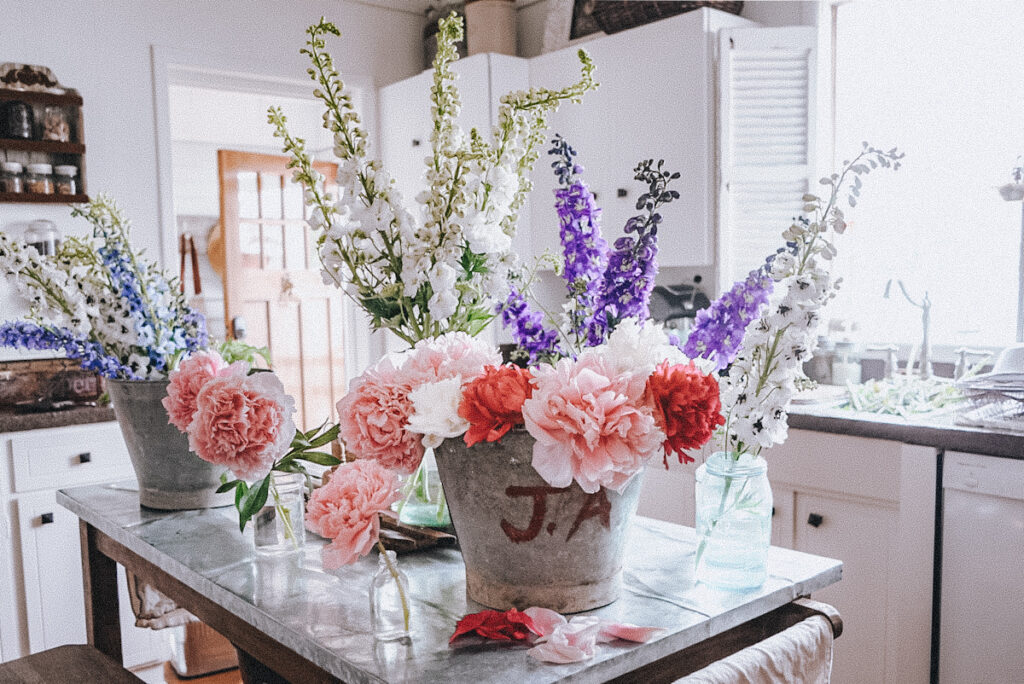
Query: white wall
[102, 48]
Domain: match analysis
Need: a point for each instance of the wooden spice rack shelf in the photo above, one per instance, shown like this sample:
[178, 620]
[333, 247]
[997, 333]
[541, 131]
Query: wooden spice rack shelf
[35, 198]
[34, 97]
[51, 146]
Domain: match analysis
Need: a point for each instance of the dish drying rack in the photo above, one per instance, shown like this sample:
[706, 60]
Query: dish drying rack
[996, 404]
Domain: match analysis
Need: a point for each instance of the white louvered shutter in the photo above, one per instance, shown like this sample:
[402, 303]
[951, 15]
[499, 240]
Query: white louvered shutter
[766, 140]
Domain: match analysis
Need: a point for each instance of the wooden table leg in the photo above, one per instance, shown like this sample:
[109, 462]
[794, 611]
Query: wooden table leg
[99, 578]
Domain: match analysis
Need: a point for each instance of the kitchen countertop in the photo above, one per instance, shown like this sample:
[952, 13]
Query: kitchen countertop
[17, 422]
[935, 430]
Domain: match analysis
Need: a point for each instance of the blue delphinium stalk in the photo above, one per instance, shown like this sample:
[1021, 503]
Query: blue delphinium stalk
[90, 354]
[718, 330]
[585, 252]
[527, 327]
[632, 267]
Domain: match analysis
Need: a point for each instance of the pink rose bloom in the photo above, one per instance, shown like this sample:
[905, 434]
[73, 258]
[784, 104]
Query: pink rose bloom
[188, 379]
[447, 356]
[242, 422]
[374, 417]
[346, 509]
[590, 423]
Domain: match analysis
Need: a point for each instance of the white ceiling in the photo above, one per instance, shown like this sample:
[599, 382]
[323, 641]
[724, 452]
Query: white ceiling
[419, 7]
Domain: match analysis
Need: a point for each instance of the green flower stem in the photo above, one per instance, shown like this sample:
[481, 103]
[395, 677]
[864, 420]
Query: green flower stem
[284, 514]
[398, 583]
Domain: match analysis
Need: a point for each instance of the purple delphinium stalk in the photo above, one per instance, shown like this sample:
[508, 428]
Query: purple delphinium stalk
[585, 252]
[632, 267]
[527, 327]
[90, 354]
[718, 331]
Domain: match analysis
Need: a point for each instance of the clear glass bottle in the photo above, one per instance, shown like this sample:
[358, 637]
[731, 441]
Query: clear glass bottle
[64, 181]
[44, 236]
[734, 521]
[38, 180]
[422, 501]
[278, 528]
[389, 600]
[10, 177]
[55, 124]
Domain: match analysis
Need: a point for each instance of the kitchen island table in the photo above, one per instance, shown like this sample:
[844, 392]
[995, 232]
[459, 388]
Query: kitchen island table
[314, 626]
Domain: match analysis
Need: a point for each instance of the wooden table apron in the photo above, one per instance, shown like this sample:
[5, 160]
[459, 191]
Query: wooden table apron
[100, 555]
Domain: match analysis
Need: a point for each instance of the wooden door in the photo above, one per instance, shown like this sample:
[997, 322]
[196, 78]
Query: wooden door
[273, 292]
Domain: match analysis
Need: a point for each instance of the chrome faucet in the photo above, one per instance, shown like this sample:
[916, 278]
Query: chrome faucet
[925, 361]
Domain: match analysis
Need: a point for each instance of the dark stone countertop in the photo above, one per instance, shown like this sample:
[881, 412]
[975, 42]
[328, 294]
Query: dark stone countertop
[14, 422]
[938, 430]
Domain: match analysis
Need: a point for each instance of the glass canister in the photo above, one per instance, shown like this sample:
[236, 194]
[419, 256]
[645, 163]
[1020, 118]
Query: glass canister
[56, 125]
[279, 527]
[39, 179]
[10, 177]
[64, 179]
[422, 501]
[16, 120]
[734, 521]
[389, 600]
[44, 236]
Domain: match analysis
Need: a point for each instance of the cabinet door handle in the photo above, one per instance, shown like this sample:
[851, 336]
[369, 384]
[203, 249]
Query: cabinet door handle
[815, 519]
[773, 511]
[621, 192]
[416, 142]
[84, 457]
[46, 518]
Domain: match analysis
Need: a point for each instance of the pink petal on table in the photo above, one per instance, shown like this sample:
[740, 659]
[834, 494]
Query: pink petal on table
[570, 642]
[544, 619]
[619, 630]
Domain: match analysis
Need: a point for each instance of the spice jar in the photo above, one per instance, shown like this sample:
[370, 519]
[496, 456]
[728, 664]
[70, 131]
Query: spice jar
[64, 182]
[10, 177]
[16, 120]
[38, 179]
[55, 124]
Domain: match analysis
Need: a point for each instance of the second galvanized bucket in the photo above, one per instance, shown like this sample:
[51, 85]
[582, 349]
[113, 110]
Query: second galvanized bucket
[526, 543]
[170, 476]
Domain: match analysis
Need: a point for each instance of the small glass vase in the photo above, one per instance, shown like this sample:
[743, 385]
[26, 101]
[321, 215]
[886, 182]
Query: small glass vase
[389, 600]
[279, 527]
[734, 521]
[422, 501]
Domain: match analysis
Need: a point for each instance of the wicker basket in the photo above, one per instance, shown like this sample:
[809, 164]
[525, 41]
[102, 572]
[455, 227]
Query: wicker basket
[619, 15]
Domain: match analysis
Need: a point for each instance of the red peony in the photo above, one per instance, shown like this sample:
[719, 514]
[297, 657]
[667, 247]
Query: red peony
[494, 624]
[493, 402]
[686, 406]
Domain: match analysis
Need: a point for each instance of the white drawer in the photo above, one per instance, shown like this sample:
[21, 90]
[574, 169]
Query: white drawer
[68, 456]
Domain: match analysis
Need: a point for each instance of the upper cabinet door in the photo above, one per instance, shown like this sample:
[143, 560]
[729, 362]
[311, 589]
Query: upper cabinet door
[767, 118]
[655, 101]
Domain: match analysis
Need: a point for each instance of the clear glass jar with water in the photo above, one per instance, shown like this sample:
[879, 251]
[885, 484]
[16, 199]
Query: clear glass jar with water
[279, 527]
[734, 521]
[389, 600]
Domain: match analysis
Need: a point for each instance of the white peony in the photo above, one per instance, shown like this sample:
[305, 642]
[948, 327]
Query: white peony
[436, 411]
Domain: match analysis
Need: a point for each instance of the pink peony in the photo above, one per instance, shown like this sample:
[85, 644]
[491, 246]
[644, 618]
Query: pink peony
[447, 356]
[188, 379]
[590, 423]
[346, 510]
[242, 422]
[374, 416]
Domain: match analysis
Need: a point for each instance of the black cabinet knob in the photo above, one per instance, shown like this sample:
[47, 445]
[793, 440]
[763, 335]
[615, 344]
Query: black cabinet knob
[416, 142]
[46, 518]
[621, 192]
[84, 457]
[814, 519]
[773, 511]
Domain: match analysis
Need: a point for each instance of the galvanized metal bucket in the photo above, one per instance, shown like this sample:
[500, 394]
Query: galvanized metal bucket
[526, 543]
[171, 477]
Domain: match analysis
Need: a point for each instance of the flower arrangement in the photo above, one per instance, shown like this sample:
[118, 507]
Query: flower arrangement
[608, 391]
[101, 302]
[432, 269]
[240, 417]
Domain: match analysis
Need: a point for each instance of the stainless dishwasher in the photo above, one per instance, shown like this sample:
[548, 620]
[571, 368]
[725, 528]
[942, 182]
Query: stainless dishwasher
[982, 580]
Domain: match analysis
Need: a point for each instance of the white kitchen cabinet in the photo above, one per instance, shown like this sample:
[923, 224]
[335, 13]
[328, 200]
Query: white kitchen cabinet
[405, 119]
[40, 560]
[655, 100]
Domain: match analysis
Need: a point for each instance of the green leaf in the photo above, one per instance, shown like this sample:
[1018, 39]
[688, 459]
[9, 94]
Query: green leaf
[318, 457]
[254, 500]
[228, 486]
[326, 438]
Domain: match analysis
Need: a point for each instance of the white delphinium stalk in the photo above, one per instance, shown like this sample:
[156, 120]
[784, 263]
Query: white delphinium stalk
[434, 270]
[767, 372]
